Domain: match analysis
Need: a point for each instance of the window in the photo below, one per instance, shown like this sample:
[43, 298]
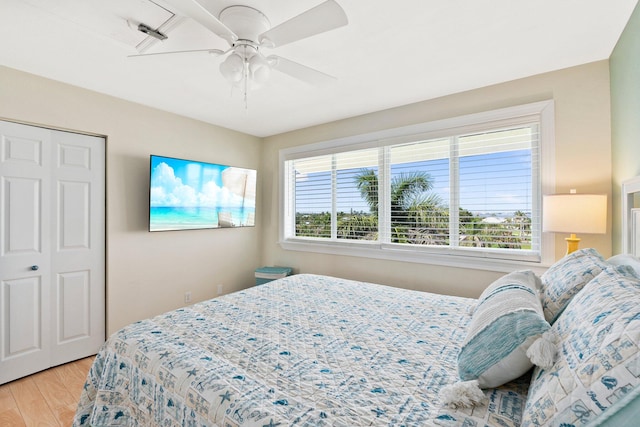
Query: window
[469, 186]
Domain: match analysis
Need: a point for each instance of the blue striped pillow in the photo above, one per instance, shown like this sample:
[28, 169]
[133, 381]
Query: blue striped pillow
[506, 321]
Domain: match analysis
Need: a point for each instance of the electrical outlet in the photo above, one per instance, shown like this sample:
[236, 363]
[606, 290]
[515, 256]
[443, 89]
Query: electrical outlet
[187, 296]
[220, 289]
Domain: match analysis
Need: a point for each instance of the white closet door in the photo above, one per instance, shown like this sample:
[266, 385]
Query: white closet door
[78, 250]
[52, 248]
[25, 258]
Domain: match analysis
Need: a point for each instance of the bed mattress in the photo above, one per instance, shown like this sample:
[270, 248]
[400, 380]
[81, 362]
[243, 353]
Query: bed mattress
[305, 350]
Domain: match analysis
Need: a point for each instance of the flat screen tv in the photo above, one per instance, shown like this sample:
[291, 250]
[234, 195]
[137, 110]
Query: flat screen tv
[188, 194]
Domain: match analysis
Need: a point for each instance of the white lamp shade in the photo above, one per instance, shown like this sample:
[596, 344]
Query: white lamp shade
[575, 213]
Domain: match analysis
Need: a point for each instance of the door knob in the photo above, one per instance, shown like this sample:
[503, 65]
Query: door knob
[34, 267]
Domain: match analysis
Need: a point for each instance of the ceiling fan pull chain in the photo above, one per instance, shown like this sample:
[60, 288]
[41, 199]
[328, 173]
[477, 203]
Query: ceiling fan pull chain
[246, 79]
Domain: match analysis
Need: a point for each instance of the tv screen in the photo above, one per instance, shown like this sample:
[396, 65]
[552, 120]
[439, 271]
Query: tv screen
[188, 194]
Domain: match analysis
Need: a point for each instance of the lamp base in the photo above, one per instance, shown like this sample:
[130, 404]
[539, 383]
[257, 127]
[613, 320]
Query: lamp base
[572, 243]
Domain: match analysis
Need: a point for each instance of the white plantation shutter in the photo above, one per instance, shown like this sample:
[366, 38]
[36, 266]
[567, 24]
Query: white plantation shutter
[497, 170]
[473, 190]
[422, 219]
[313, 196]
[328, 203]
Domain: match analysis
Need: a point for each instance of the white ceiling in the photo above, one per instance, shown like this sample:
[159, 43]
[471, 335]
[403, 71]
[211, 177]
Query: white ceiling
[390, 53]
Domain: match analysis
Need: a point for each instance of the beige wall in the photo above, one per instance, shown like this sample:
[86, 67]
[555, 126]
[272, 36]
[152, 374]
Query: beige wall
[583, 162]
[147, 273]
[625, 113]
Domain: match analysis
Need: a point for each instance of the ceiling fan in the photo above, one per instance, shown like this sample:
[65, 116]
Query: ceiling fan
[248, 31]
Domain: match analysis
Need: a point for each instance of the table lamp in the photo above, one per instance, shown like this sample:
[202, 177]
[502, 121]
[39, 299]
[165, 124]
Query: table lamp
[574, 213]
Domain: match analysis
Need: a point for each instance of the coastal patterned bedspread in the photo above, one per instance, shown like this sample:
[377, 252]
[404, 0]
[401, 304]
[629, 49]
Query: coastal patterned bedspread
[305, 350]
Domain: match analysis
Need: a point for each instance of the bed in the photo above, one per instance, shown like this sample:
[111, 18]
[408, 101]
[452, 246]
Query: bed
[559, 349]
[304, 350]
[312, 351]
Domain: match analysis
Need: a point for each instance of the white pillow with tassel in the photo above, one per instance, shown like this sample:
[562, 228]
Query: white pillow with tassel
[507, 335]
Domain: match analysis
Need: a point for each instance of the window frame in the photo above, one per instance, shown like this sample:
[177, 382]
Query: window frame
[541, 112]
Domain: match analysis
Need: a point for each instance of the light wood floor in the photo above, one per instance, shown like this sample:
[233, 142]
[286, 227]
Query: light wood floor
[48, 398]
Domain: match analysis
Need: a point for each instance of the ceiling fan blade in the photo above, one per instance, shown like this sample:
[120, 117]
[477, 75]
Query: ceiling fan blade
[324, 17]
[300, 72]
[215, 52]
[194, 10]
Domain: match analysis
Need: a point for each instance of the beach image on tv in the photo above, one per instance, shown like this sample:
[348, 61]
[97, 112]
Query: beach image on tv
[187, 194]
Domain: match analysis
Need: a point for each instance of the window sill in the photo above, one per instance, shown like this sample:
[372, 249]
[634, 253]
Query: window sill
[475, 261]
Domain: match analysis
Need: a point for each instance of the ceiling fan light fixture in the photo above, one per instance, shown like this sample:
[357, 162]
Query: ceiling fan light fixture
[232, 68]
[259, 69]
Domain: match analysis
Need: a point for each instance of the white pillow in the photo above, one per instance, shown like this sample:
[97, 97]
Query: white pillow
[506, 322]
